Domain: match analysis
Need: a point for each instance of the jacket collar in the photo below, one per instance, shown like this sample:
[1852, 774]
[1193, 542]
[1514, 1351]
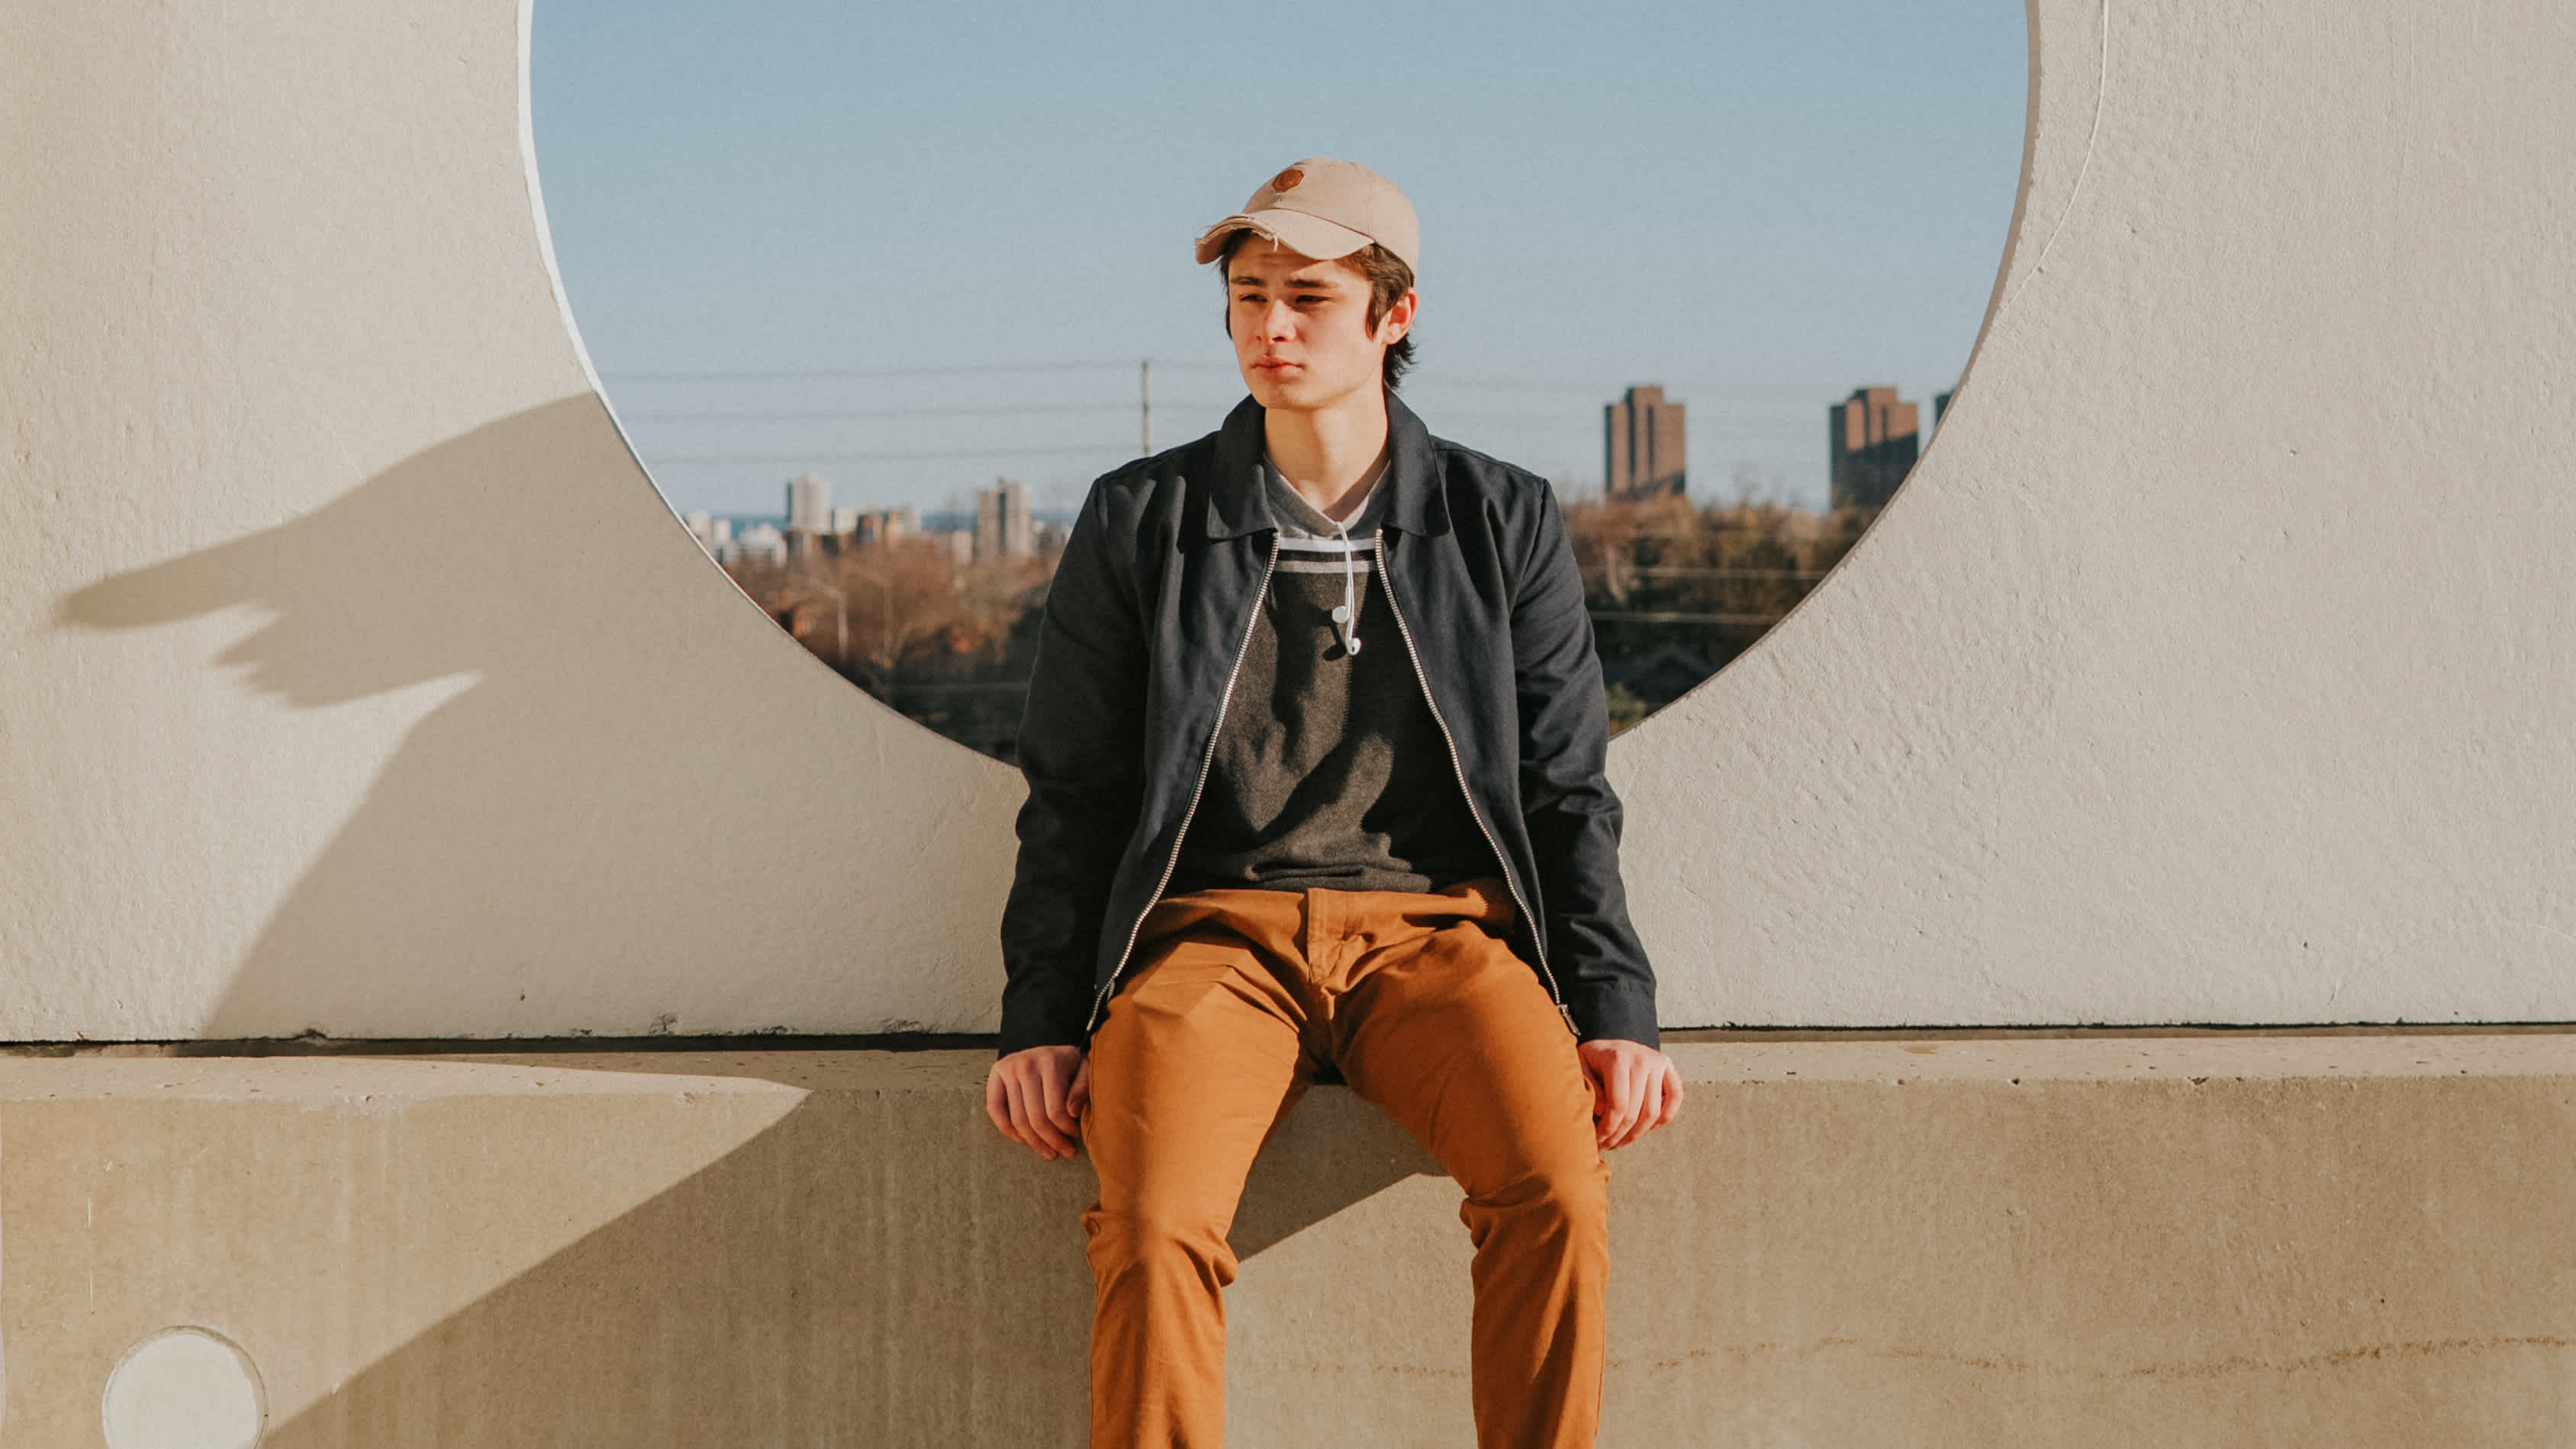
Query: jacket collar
[1237, 503]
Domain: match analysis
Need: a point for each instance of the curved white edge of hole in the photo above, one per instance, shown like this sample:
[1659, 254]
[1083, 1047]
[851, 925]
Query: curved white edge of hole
[590, 371]
[1995, 305]
[183, 1388]
[2005, 290]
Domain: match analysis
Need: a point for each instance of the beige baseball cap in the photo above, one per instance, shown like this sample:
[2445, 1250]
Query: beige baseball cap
[1325, 209]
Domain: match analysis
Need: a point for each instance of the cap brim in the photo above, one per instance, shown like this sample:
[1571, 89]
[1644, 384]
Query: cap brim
[1307, 235]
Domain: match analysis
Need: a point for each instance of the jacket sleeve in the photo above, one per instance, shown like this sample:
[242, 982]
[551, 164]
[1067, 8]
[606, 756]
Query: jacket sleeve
[1081, 742]
[1566, 800]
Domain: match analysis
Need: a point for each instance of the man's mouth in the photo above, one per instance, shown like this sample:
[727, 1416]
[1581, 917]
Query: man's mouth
[1274, 364]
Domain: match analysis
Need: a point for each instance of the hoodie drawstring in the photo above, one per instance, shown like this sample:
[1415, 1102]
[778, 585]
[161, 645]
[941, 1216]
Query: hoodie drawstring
[1348, 615]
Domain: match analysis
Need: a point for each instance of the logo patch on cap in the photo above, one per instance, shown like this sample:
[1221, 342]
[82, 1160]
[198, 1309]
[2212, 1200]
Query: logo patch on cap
[1287, 180]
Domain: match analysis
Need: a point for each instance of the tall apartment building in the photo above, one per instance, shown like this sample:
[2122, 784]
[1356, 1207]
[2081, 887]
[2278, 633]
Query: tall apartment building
[1642, 448]
[1871, 444]
[809, 504]
[1003, 527]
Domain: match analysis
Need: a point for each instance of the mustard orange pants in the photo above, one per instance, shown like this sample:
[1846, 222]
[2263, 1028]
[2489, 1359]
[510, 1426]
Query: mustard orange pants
[1237, 999]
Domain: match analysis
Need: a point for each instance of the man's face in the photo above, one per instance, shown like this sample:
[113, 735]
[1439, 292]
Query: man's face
[1300, 326]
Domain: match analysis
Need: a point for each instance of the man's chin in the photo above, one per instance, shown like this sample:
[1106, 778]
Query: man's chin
[1297, 392]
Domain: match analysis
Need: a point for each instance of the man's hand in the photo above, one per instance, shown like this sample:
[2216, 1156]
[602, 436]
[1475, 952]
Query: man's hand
[1036, 1097]
[1635, 1089]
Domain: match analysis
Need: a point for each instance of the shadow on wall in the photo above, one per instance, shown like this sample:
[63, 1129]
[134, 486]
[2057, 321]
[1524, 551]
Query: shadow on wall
[816, 1287]
[588, 822]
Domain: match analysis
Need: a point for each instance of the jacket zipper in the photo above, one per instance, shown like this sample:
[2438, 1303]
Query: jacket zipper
[1538, 928]
[1100, 999]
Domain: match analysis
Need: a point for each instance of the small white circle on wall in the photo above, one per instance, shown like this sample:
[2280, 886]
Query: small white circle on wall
[183, 1388]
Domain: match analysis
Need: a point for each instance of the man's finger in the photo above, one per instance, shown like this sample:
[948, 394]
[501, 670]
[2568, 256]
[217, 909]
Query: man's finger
[1029, 1112]
[1602, 1101]
[1051, 1087]
[1650, 1104]
[1631, 1097]
[1029, 1107]
[1639, 1100]
[1019, 1116]
[1078, 1096]
[1661, 1083]
[1613, 1105]
[1672, 1096]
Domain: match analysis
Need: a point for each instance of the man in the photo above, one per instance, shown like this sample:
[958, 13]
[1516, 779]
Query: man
[1314, 750]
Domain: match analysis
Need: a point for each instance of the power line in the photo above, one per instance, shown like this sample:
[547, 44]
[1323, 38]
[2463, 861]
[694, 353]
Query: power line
[1439, 415]
[791, 374]
[657, 459]
[824, 415]
[830, 415]
[1590, 387]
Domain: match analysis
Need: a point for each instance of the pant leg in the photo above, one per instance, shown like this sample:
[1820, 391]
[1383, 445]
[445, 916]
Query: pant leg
[1196, 1061]
[1457, 1039]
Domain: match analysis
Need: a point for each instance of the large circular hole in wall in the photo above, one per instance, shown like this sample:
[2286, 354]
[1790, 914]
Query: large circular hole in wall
[877, 291]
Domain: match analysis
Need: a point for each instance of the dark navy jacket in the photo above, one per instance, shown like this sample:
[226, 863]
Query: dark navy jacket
[1144, 627]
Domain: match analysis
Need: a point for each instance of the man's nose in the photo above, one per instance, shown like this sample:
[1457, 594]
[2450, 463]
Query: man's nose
[1275, 319]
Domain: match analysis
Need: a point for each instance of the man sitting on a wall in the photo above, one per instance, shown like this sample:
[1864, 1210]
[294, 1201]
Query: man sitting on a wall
[1314, 752]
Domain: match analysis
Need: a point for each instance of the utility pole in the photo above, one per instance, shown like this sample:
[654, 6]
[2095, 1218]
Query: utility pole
[840, 620]
[1145, 399]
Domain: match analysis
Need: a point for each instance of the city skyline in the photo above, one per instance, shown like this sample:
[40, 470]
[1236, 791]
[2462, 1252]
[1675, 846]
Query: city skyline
[785, 248]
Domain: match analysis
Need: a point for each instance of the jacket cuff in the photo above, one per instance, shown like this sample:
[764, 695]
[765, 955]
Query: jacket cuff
[1053, 1017]
[1614, 1013]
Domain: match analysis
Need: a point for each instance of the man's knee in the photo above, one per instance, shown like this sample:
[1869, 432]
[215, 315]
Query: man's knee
[1159, 1239]
[1565, 1201]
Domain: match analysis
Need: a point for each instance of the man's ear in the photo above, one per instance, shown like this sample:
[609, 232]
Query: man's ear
[1398, 319]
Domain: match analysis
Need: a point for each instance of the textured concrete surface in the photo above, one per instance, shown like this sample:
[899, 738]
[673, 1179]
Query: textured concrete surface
[2208, 668]
[2214, 666]
[2340, 1242]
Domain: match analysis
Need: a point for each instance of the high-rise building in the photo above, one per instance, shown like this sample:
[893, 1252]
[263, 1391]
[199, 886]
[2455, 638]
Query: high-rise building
[1870, 446]
[1641, 445]
[1003, 527]
[809, 504]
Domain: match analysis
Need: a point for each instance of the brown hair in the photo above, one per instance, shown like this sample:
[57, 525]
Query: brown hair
[1388, 278]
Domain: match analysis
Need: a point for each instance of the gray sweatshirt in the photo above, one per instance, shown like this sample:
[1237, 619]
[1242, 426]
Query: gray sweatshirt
[1329, 770]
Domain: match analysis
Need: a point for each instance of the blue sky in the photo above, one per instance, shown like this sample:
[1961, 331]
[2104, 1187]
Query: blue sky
[800, 235]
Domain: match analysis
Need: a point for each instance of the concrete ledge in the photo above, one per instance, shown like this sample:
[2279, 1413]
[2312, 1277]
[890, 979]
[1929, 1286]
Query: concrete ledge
[2257, 1240]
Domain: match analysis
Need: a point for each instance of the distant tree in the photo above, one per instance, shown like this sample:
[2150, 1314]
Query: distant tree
[1671, 587]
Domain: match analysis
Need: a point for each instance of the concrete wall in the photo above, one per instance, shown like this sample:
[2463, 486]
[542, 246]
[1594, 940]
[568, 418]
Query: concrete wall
[2213, 666]
[2330, 1242]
